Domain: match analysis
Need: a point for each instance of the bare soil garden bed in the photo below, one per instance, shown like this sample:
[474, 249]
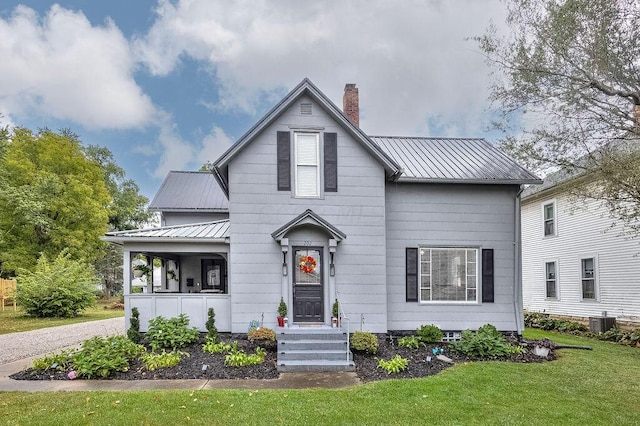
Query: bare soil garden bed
[191, 366]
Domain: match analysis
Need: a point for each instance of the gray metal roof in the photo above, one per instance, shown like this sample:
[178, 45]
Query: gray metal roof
[217, 231]
[452, 160]
[190, 191]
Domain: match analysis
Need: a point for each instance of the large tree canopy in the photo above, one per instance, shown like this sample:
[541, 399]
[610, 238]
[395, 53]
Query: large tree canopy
[58, 195]
[568, 76]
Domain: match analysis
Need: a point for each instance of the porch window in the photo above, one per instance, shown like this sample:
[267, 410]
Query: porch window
[307, 167]
[448, 274]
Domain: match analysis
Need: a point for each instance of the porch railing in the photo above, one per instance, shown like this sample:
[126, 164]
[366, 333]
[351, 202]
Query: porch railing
[344, 318]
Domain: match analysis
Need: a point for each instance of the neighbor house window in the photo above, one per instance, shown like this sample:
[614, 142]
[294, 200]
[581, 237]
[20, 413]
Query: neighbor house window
[307, 164]
[588, 278]
[549, 212]
[551, 277]
[448, 275]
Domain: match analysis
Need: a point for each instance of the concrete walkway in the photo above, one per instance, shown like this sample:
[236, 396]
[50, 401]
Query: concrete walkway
[18, 350]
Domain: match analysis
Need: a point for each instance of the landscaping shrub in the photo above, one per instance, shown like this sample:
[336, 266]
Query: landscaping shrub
[238, 358]
[100, 357]
[487, 342]
[154, 361]
[59, 288]
[262, 333]
[429, 333]
[212, 330]
[60, 361]
[133, 332]
[365, 342]
[172, 333]
[396, 364]
[412, 342]
[212, 347]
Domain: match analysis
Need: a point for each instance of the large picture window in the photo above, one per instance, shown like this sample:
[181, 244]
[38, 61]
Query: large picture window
[448, 274]
[307, 157]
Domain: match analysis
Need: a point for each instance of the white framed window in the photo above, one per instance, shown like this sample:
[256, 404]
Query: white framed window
[307, 165]
[589, 278]
[551, 279]
[549, 219]
[449, 274]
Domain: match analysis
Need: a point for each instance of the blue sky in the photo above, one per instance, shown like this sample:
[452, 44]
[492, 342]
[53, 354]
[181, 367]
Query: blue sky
[169, 85]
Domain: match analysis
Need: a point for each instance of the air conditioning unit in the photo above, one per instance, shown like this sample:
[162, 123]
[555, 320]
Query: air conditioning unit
[601, 324]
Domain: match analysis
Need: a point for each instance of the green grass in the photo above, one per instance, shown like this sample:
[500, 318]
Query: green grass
[13, 321]
[582, 388]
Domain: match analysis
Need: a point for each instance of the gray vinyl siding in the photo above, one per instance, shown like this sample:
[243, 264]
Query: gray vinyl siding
[442, 215]
[257, 209]
[184, 218]
[583, 230]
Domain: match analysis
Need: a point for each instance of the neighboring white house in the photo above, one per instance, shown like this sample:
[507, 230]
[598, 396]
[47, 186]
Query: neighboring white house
[574, 262]
[305, 206]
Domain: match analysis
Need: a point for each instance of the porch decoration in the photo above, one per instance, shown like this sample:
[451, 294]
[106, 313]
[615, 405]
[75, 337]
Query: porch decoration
[307, 264]
[282, 312]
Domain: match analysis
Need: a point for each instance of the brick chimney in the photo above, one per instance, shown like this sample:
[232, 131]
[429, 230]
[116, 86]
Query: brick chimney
[351, 103]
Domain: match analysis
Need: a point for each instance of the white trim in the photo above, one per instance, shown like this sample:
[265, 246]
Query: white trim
[596, 280]
[298, 164]
[555, 218]
[557, 278]
[478, 276]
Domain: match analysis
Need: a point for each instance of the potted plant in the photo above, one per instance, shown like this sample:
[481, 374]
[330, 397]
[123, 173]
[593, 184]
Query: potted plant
[282, 312]
[172, 275]
[335, 315]
[140, 270]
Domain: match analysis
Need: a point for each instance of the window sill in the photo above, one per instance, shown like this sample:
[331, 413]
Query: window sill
[449, 303]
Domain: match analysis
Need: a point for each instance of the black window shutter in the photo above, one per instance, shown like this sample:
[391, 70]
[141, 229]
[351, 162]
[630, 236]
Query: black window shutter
[284, 161]
[330, 162]
[412, 274]
[487, 275]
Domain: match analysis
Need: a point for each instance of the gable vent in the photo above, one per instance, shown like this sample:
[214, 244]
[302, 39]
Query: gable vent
[306, 108]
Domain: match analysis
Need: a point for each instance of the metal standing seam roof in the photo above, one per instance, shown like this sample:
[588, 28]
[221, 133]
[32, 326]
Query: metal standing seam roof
[209, 231]
[190, 191]
[452, 159]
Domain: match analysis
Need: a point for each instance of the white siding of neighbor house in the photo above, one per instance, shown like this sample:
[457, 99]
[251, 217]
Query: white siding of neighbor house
[441, 215]
[582, 231]
[257, 209]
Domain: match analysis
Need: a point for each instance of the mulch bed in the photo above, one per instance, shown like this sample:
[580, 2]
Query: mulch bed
[366, 365]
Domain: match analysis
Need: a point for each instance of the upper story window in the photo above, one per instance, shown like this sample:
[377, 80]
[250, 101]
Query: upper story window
[588, 278]
[551, 277]
[448, 274]
[307, 164]
[549, 217]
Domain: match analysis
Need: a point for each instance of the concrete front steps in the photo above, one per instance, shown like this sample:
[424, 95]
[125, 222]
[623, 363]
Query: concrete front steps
[313, 349]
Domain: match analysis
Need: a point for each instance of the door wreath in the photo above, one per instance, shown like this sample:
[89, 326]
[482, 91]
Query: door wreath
[307, 264]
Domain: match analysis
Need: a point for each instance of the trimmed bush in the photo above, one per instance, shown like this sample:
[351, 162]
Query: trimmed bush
[59, 288]
[262, 333]
[365, 342]
[429, 334]
[133, 333]
[212, 330]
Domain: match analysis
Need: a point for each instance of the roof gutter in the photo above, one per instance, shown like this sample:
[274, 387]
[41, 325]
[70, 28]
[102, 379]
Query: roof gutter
[133, 239]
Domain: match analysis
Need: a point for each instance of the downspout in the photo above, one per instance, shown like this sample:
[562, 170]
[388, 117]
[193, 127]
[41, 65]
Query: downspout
[517, 267]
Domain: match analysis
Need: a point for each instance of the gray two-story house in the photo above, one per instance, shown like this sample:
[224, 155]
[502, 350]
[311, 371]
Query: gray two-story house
[306, 207]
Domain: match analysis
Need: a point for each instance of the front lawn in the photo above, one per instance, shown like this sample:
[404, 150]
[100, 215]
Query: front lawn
[581, 387]
[13, 321]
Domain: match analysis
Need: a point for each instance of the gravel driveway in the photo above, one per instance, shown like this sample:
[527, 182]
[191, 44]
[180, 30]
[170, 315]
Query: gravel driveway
[16, 346]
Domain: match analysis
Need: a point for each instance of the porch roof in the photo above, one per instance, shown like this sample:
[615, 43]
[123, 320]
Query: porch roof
[309, 217]
[217, 231]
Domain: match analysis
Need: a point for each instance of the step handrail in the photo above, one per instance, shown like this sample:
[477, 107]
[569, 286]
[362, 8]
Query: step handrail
[342, 314]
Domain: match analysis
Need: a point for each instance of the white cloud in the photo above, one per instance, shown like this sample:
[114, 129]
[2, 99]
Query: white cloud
[410, 59]
[62, 66]
[213, 146]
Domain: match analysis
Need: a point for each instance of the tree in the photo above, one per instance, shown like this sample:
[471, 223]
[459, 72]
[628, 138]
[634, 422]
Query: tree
[52, 198]
[568, 75]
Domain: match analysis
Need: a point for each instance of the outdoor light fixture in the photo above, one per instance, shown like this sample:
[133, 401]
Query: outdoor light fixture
[284, 244]
[333, 244]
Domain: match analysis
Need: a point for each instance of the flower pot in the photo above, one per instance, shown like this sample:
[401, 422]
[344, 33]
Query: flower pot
[137, 273]
[334, 322]
[280, 322]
